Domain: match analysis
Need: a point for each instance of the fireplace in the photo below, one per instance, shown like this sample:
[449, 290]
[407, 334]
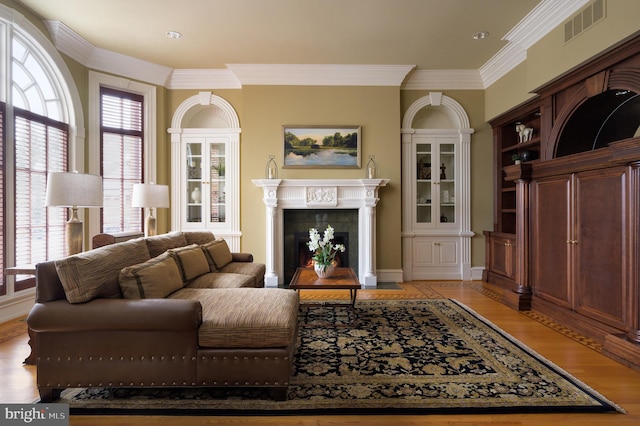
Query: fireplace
[296, 225]
[355, 199]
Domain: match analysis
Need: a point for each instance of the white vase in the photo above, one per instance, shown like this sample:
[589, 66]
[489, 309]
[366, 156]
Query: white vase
[196, 196]
[323, 271]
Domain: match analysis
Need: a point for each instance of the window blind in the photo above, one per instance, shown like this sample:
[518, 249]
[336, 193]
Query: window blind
[40, 148]
[121, 129]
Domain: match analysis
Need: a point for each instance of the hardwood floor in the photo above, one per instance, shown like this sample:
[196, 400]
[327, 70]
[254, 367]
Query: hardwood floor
[577, 355]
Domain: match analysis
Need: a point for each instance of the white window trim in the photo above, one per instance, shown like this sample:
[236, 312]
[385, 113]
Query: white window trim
[96, 80]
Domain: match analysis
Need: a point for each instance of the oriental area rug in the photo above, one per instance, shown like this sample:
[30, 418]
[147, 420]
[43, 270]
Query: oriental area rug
[401, 357]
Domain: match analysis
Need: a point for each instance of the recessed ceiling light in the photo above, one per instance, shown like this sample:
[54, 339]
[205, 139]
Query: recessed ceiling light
[481, 35]
[174, 34]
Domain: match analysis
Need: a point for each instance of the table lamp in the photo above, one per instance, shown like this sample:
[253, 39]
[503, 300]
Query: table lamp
[150, 195]
[73, 190]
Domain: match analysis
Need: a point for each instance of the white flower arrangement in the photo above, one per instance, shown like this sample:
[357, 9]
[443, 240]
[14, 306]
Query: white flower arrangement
[324, 249]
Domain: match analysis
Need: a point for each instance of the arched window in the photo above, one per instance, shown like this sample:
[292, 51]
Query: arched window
[36, 138]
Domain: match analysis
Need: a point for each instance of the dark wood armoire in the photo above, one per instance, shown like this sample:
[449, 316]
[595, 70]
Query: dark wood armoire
[567, 217]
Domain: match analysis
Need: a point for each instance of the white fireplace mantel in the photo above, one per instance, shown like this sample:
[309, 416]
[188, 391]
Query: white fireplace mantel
[282, 194]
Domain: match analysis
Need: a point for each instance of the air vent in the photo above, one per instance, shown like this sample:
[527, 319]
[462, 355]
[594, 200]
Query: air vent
[581, 21]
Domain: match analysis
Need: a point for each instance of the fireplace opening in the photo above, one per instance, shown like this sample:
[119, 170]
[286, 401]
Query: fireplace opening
[304, 255]
[296, 225]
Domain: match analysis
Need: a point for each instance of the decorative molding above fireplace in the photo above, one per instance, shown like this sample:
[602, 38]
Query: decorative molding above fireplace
[360, 194]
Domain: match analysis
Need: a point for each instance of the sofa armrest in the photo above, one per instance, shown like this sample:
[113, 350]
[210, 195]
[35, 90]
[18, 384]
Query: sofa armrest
[241, 257]
[116, 314]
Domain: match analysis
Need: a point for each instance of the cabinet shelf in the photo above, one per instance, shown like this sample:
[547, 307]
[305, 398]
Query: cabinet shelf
[533, 143]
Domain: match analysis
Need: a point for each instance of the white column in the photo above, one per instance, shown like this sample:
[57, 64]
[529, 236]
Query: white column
[270, 198]
[368, 277]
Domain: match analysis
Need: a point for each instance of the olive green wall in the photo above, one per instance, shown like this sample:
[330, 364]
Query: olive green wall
[551, 57]
[264, 109]
[268, 108]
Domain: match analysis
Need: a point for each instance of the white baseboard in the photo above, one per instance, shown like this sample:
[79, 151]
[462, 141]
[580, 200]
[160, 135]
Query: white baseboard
[390, 275]
[476, 273]
[17, 306]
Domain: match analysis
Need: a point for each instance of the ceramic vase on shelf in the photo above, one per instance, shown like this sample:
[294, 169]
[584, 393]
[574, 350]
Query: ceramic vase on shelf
[196, 196]
[323, 271]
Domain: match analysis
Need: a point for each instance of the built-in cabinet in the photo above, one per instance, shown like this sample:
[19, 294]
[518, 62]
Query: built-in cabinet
[436, 214]
[566, 231]
[578, 253]
[205, 168]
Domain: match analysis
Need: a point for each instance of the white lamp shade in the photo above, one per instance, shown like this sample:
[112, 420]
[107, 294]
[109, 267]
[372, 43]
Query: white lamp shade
[73, 190]
[150, 195]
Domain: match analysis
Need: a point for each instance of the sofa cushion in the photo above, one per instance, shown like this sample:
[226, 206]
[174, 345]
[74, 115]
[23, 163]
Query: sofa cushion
[190, 260]
[245, 317]
[199, 237]
[158, 244]
[154, 279]
[94, 274]
[222, 280]
[253, 269]
[217, 253]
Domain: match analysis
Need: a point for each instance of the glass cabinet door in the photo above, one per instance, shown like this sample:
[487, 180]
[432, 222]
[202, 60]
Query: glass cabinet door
[447, 183]
[435, 189]
[424, 183]
[194, 182]
[217, 182]
[206, 182]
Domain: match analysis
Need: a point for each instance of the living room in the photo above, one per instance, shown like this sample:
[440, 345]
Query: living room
[377, 107]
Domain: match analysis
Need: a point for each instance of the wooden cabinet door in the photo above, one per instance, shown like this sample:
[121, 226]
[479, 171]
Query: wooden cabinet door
[550, 247]
[600, 245]
[502, 259]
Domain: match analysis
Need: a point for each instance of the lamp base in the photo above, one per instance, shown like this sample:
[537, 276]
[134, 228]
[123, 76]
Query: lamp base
[74, 233]
[150, 225]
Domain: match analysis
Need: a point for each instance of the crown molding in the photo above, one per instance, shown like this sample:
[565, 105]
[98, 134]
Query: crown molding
[320, 74]
[203, 79]
[443, 79]
[72, 44]
[546, 16]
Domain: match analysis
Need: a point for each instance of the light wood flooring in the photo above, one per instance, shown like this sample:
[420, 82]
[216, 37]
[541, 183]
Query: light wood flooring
[577, 355]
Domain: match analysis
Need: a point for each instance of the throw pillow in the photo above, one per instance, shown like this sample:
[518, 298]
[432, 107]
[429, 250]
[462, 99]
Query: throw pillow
[191, 261]
[198, 237]
[217, 253]
[94, 273]
[158, 244]
[154, 279]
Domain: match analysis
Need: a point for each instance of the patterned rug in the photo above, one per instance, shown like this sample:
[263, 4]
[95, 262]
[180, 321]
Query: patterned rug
[427, 356]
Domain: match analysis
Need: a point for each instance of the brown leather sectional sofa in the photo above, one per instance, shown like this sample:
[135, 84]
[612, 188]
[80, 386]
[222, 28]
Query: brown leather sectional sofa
[151, 312]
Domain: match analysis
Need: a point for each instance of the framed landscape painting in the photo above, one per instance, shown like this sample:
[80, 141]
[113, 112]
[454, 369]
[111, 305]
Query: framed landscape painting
[321, 146]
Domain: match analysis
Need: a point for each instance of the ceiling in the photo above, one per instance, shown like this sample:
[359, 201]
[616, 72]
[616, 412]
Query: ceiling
[427, 34]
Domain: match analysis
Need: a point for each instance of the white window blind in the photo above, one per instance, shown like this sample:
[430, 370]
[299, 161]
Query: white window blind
[40, 148]
[121, 130]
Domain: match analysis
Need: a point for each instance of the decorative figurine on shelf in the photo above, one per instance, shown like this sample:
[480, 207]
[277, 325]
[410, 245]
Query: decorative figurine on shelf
[524, 133]
[443, 218]
[443, 173]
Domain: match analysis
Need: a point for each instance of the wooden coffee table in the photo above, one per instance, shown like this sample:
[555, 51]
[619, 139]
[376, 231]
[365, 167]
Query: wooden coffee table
[341, 279]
